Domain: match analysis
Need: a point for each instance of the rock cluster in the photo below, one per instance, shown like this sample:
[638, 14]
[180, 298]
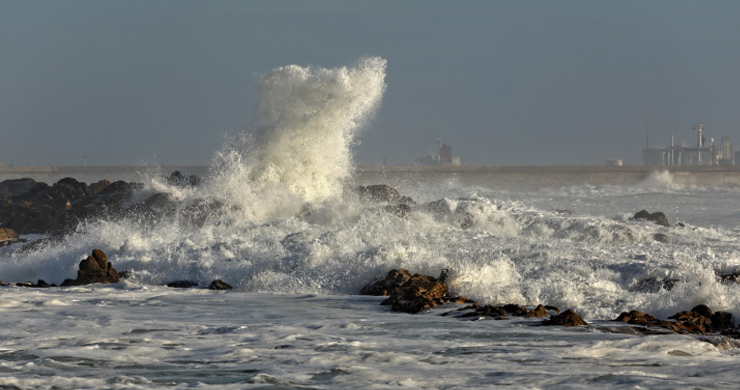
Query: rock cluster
[95, 269]
[699, 320]
[414, 293]
[30, 207]
[410, 293]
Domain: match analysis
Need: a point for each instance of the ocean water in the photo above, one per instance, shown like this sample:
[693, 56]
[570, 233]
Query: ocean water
[298, 244]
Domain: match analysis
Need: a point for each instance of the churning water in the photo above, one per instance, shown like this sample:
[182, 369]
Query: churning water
[297, 244]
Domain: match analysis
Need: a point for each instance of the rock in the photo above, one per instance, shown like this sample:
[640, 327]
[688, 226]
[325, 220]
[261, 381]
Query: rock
[182, 284]
[178, 179]
[420, 292]
[503, 312]
[94, 269]
[392, 283]
[219, 284]
[538, 312]
[9, 236]
[379, 193]
[399, 210]
[699, 320]
[653, 285]
[20, 187]
[566, 318]
[657, 217]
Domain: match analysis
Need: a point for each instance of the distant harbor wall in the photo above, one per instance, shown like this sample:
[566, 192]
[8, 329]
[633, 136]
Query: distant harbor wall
[524, 176]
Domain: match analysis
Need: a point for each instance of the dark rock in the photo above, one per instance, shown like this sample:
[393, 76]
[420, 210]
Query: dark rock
[379, 193]
[657, 217]
[219, 284]
[179, 179]
[566, 318]
[182, 284]
[399, 210]
[20, 187]
[392, 282]
[94, 269]
[653, 285]
[420, 292]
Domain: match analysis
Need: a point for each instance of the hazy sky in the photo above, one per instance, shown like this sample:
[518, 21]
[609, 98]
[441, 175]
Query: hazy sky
[503, 82]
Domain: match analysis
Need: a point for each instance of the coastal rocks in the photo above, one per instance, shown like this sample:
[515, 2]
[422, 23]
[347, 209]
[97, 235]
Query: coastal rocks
[410, 293]
[502, 312]
[95, 269]
[566, 318]
[29, 207]
[657, 217]
[699, 320]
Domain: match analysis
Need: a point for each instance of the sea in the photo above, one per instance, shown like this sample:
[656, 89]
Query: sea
[297, 244]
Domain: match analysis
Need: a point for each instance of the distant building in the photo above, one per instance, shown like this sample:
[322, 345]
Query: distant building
[702, 153]
[443, 158]
[615, 162]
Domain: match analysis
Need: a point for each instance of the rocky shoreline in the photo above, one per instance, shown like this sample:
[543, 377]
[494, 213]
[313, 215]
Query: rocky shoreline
[29, 207]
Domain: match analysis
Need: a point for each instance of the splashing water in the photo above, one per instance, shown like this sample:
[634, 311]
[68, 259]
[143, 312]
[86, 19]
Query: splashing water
[304, 127]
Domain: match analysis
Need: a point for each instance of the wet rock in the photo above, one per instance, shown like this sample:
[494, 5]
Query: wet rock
[20, 187]
[420, 292]
[379, 193]
[94, 269]
[505, 311]
[182, 284]
[399, 210]
[391, 283]
[653, 285]
[9, 236]
[699, 320]
[566, 318]
[219, 284]
[177, 178]
[657, 217]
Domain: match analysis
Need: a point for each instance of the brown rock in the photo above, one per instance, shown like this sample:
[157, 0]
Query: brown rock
[94, 269]
[420, 292]
[537, 312]
[219, 284]
[392, 282]
[566, 318]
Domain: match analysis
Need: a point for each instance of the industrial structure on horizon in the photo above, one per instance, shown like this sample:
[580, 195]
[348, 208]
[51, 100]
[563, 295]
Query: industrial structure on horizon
[443, 158]
[702, 153]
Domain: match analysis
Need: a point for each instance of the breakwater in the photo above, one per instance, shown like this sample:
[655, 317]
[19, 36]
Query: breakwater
[524, 176]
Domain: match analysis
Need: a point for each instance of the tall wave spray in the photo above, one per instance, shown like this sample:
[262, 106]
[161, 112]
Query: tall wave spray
[303, 129]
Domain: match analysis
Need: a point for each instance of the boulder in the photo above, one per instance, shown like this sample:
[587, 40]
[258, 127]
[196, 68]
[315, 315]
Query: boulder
[392, 282]
[566, 318]
[419, 293]
[219, 284]
[94, 269]
[177, 178]
[657, 217]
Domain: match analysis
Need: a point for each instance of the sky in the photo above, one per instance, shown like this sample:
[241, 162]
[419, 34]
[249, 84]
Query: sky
[503, 82]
